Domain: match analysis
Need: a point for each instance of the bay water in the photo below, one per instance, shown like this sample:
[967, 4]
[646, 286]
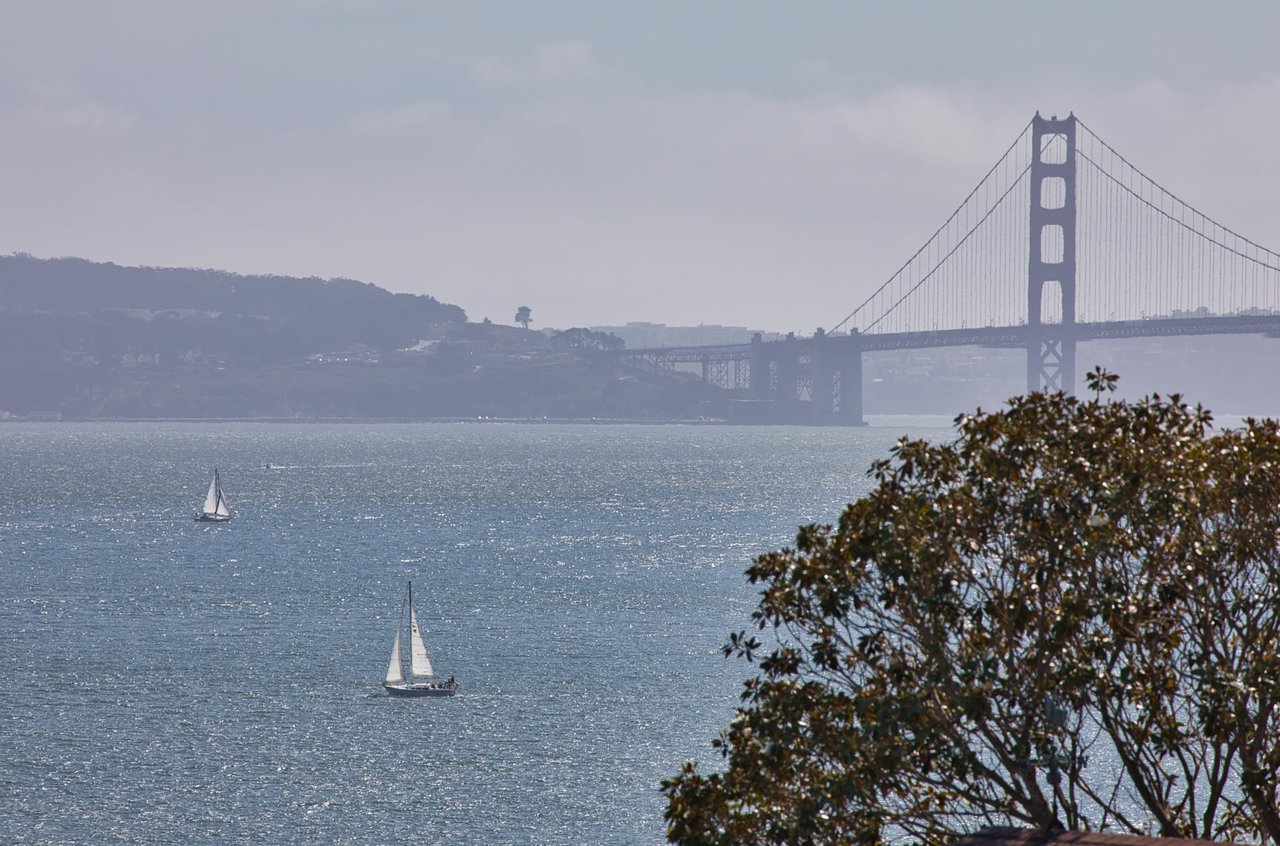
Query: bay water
[166, 681]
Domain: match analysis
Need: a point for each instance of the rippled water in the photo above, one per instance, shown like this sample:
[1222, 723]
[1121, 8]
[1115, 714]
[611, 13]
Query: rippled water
[164, 681]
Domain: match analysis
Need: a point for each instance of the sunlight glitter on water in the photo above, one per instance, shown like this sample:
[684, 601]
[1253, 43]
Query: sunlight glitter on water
[168, 681]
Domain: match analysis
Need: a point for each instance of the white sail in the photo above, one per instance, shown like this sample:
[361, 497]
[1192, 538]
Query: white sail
[211, 499]
[221, 510]
[419, 663]
[394, 671]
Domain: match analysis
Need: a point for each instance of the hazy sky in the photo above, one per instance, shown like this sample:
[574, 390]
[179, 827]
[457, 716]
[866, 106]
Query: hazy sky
[741, 163]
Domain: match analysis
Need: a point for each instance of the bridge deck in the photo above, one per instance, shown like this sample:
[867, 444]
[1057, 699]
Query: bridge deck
[990, 336]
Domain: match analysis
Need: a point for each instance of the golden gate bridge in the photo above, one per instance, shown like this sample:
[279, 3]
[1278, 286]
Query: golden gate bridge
[1062, 241]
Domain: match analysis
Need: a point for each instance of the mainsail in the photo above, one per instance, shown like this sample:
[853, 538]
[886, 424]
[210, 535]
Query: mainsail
[419, 663]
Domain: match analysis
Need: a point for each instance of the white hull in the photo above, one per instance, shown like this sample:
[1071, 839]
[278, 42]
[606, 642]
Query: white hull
[421, 688]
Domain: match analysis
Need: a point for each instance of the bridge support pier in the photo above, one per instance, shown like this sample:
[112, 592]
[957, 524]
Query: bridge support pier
[825, 393]
[846, 409]
[1051, 363]
[837, 381]
[828, 369]
[759, 368]
[786, 392]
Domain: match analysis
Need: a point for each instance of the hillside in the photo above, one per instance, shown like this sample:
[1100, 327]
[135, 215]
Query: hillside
[80, 339]
[107, 309]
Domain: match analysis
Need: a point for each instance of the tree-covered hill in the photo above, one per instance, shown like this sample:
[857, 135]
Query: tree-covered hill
[172, 311]
[85, 340]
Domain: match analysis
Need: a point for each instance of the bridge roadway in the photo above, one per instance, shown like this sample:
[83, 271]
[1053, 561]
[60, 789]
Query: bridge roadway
[818, 379]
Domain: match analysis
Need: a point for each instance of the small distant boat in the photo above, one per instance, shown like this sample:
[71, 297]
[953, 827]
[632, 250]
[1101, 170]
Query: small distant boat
[422, 680]
[215, 504]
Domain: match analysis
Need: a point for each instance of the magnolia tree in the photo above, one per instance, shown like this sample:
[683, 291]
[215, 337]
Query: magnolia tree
[1066, 618]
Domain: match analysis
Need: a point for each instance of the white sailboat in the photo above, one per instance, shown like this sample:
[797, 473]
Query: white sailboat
[215, 504]
[422, 680]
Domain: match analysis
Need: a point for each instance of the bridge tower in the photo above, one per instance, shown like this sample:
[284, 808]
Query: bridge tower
[1051, 347]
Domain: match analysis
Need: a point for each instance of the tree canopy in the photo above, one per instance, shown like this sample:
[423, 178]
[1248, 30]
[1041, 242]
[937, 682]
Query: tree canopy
[1068, 617]
[524, 316]
[585, 339]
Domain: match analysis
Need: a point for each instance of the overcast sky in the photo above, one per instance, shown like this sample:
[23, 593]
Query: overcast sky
[740, 163]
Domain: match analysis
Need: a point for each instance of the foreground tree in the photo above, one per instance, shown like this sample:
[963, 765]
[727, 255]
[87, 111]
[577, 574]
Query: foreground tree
[1068, 617]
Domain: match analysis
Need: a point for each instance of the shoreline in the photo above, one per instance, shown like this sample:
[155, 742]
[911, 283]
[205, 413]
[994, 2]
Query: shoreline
[939, 419]
[610, 421]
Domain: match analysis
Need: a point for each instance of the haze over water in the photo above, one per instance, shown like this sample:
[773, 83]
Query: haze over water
[165, 681]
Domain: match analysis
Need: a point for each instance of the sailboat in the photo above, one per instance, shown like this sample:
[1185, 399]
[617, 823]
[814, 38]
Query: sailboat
[421, 680]
[215, 504]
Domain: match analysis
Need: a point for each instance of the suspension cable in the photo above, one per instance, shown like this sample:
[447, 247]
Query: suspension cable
[1172, 195]
[1181, 223]
[952, 251]
[939, 230]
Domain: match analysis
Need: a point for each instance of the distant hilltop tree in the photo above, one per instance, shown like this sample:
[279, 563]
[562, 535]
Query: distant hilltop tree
[524, 316]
